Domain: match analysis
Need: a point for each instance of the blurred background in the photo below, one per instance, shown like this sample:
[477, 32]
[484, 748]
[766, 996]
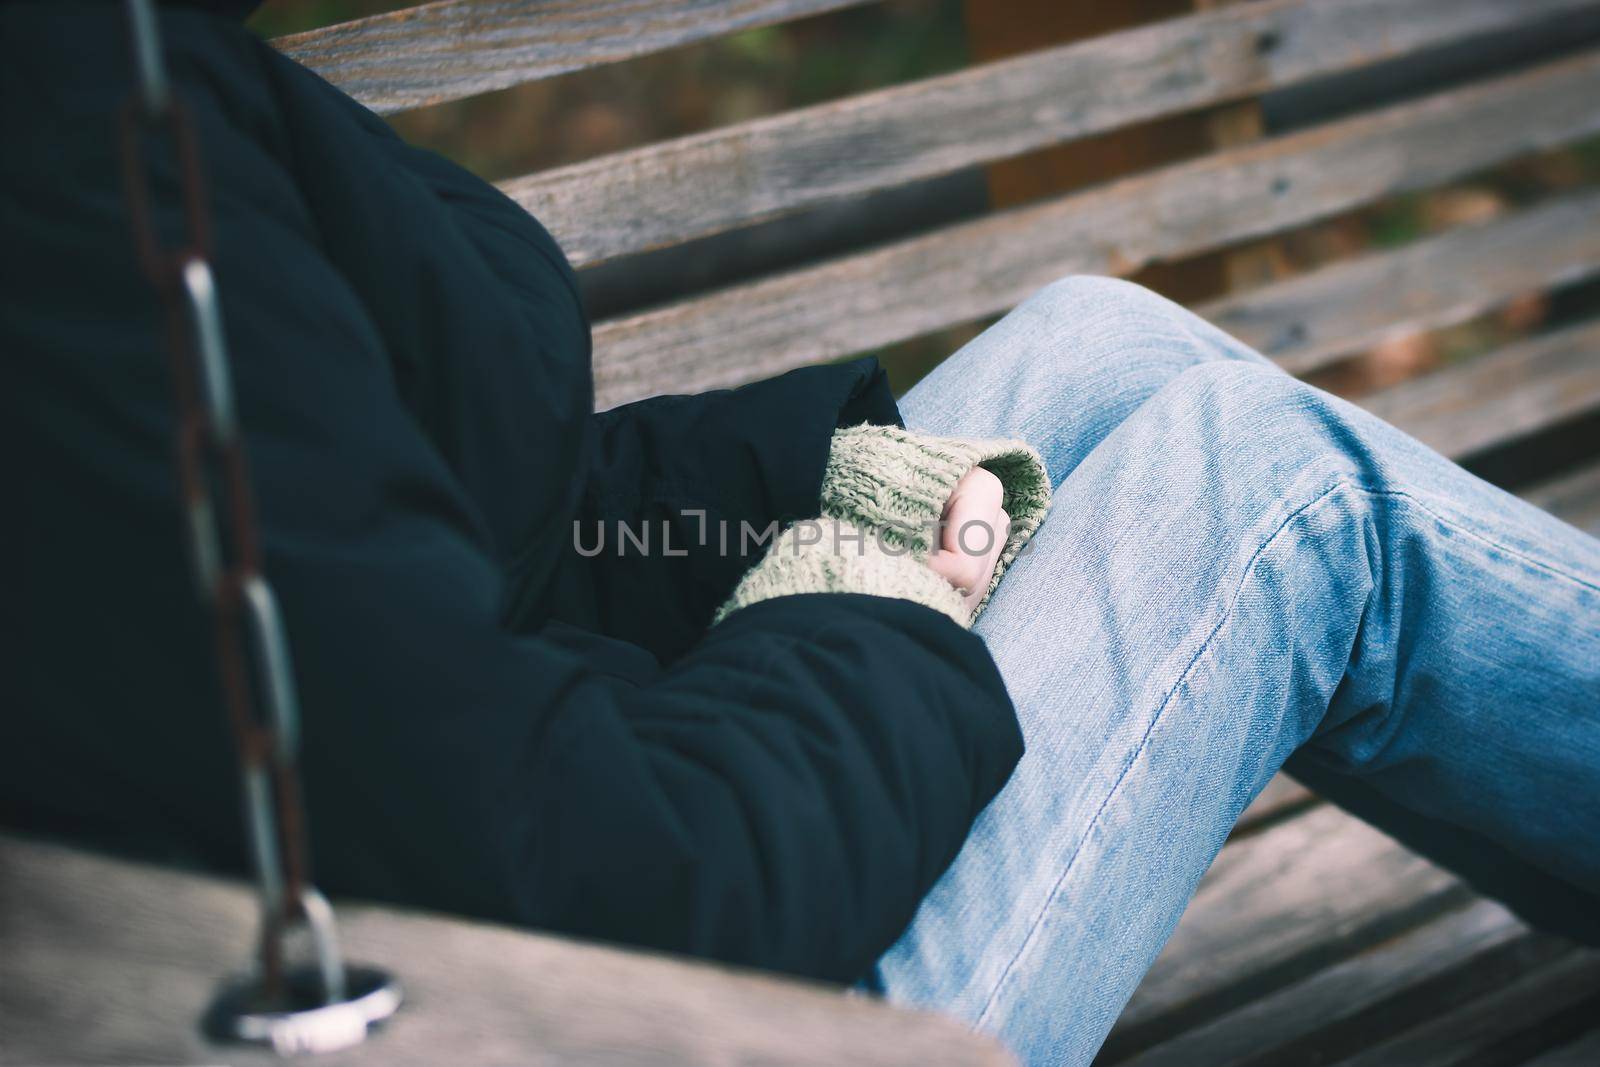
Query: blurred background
[733, 79]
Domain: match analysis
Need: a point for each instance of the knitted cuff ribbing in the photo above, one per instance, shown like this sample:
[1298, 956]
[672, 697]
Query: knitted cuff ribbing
[833, 556]
[896, 482]
[883, 492]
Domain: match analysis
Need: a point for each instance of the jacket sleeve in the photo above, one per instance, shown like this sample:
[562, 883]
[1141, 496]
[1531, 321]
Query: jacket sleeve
[475, 307]
[707, 481]
[782, 796]
[698, 472]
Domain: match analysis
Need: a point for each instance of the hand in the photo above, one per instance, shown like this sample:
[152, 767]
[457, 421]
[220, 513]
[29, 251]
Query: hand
[973, 531]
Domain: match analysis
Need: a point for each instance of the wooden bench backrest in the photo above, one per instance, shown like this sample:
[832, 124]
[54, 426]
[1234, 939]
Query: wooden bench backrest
[70, 918]
[689, 188]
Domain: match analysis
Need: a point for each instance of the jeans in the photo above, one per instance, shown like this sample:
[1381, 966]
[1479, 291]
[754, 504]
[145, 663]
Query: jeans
[1238, 568]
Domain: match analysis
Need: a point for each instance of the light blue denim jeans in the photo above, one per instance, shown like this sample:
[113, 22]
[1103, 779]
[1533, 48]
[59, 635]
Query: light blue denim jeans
[1238, 566]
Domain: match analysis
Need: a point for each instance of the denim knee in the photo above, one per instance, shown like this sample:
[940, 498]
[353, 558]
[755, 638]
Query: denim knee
[1068, 365]
[1102, 309]
[1075, 296]
[1251, 418]
[1085, 332]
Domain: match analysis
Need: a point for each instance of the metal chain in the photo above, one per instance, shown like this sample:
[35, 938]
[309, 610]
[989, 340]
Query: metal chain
[225, 551]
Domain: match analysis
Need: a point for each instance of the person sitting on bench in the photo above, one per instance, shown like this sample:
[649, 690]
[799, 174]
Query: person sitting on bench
[706, 673]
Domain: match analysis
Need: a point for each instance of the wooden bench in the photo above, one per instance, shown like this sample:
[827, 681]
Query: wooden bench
[1314, 938]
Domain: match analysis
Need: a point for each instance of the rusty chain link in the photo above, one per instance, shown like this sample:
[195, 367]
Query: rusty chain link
[225, 552]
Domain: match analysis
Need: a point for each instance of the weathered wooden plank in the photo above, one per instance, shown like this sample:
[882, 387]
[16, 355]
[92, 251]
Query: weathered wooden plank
[1254, 263]
[1005, 29]
[454, 48]
[1584, 1052]
[1500, 396]
[1573, 497]
[1379, 992]
[1311, 320]
[963, 272]
[111, 962]
[1275, 907]
[1547, 1007]
[670, 192]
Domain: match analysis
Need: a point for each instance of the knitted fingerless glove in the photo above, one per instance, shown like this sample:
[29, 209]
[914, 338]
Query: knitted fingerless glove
[835, 556]
[884, 490]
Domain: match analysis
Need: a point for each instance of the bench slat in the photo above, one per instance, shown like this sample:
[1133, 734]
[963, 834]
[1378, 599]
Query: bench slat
[1584, 1052]
[973, 269]
[107, 961]
[1495, 398]
[1275, 907]
[454, 48]
[1381, 991]
[1553, 1004]
[1309, 321]
[667, 193]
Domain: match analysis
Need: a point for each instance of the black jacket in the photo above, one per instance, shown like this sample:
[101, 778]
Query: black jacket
[493, 724]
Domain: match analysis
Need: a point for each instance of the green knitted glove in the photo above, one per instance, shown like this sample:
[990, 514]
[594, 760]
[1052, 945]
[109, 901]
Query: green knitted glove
[885, 489]
[896, 482]
[834, 556]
